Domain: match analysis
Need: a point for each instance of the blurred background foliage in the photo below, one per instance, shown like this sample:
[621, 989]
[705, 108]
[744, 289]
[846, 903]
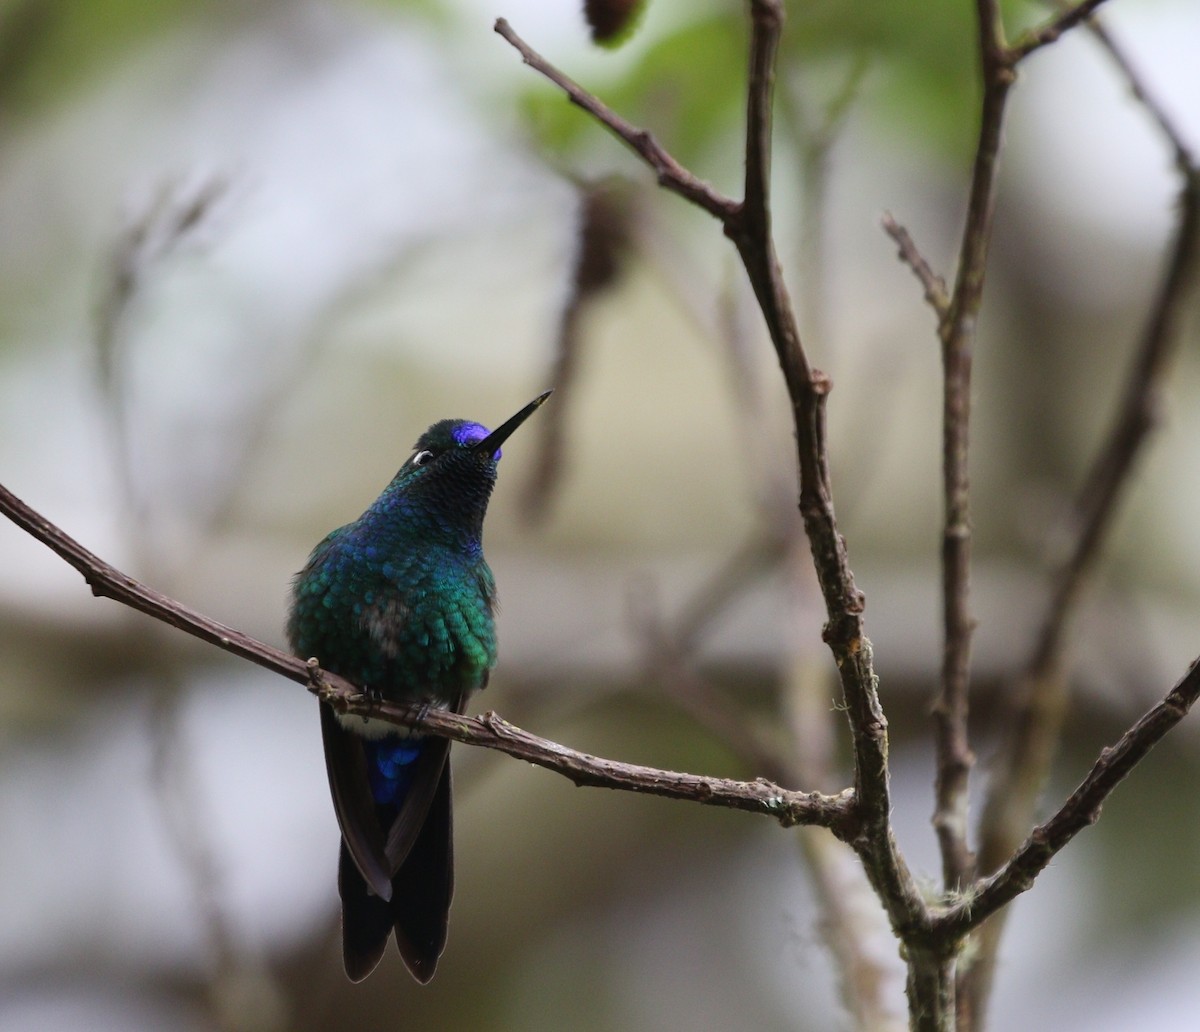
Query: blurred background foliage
[250, 248]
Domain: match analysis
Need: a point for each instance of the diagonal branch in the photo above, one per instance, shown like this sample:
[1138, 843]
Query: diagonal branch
[1021, 769]
[671, 175]
[490, 731]
[936, 295]
[1048, 33]
[1109, 474]
[1080, 810]
[1041, 705]
[748, 226]
[1185, 160]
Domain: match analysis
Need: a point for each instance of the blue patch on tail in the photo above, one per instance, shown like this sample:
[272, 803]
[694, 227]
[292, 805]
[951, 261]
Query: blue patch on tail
[390, 768]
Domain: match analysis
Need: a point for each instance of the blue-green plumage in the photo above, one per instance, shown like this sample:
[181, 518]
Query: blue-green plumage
[401, 603]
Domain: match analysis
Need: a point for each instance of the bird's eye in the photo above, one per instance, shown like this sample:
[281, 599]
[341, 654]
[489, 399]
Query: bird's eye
[422, 457]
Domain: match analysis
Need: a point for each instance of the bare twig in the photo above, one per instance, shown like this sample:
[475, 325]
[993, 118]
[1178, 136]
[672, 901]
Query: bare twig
[935, 287]
[1079, 811]
[490, 731]
[815, 133]
[671, 175]
[1022, 767]
[1185, 159]
[957, 329]
[1037, 38]
[748, 226]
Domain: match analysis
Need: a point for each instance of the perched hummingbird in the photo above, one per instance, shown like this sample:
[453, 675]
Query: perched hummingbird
[401, 602]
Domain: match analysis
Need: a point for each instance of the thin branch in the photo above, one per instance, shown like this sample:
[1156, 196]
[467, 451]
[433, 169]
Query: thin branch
[1185, 160]
[1081, 809]
[1037, 38]
[671, 175]
[807, 389]
[1042, 688]
[1138, 414]
[848, 923]
[748, 226]
[815, 134]
[936, 294]
[602, 242]
[957, 330]
[490, 731]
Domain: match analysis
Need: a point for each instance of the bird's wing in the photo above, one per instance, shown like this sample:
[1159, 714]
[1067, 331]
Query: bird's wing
[423, 887]
[427, 774]
[346, 765]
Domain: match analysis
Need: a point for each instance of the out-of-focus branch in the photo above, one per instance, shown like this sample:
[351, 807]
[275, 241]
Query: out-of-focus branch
[1023, 767]
[172, 217]
[815, 131]
[666, 651]
[602, 241]
[935, 287]
[1185, 160]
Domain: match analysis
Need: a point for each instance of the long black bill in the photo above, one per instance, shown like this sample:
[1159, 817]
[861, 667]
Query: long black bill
[491, 444]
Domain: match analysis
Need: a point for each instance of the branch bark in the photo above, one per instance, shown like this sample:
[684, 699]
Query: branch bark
[936, 295]
[1081, 809]
[490, 730]
[748, 226]
[1022, 767]
[1048, 33]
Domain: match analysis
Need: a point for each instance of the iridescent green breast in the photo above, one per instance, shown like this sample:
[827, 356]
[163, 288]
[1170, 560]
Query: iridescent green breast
[409, 623]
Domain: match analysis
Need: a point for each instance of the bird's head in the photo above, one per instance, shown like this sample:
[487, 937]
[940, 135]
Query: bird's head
[451, 472]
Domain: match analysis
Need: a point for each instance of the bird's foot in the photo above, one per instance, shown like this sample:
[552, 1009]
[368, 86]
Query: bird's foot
[373, 697]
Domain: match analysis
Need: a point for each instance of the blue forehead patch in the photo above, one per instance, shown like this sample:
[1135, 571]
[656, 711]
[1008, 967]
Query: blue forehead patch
[466, 434]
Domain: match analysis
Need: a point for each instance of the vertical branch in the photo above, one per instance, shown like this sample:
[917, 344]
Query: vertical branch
[171, 219]
[850, 931]
[749, 227]
[957, 330]
[815, 139]
[1042, 689]
[602, 241]
[931, 993]
[747, 224]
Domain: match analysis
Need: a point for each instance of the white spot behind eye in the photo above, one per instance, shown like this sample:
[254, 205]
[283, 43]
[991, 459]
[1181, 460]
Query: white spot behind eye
[421, 458]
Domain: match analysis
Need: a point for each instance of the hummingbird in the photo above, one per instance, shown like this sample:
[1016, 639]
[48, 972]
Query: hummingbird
[401, 602]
